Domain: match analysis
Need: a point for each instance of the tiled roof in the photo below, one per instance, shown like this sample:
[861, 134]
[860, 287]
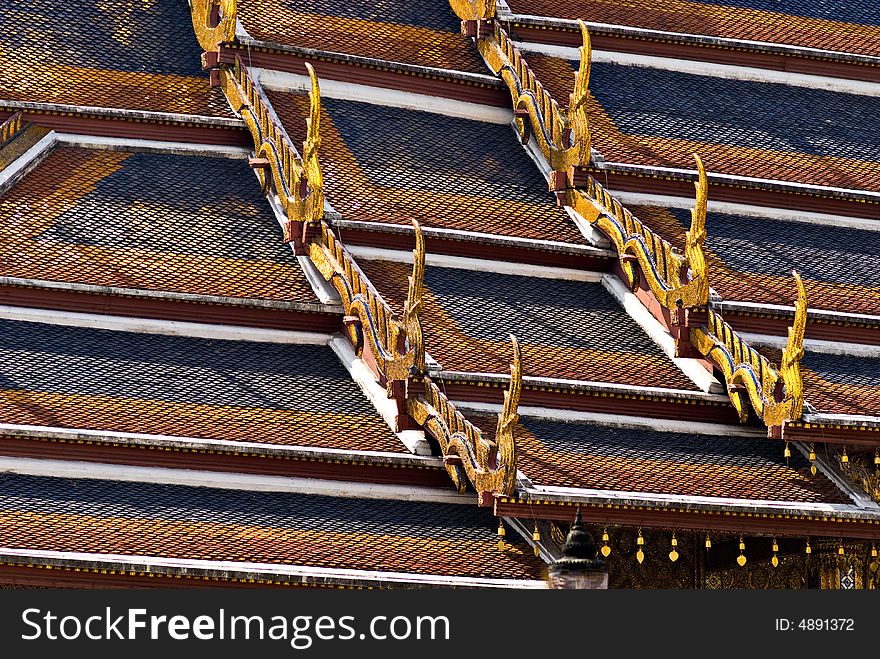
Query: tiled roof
[70, 377]
[843, 25]
[106, 517]
[423, 33]
[584, 455]
[179, 223]
[751, 258]
[842, 384]
[823, 137]
[385, 164]
[138, 56]
[567, 329]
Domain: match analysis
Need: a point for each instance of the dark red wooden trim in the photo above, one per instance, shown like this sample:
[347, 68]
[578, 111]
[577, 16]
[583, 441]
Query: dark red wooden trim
[387, 77]
[110, 126]
[220, 461]
[816, 329]
[630, 515]
[852, 436]
[681, 187]
[165, 309]
[478, 249]
[790, 63]
[636, 404]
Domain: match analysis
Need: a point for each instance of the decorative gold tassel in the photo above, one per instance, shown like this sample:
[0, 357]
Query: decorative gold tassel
[640, 541]
[775, 560]
[673, 555]
[536, 537]
[812, 460]
[741, 559]
[501, 533]
[606, 549]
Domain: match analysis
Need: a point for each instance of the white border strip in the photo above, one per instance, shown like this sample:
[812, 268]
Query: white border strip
[675, 499]
[652, 327]
[113, 437]
[696, 67]
[747, 210]
[245, 570]
[478, 265]
[619, 420]
[27, 161]
[227, 480]
[147, 146]
[287, 82]
[815, 345]
[414, 440]
[165, 327]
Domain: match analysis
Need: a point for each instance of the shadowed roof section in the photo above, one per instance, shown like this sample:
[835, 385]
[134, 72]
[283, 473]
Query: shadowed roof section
[423, 33]
[392, 165]
[739, 127]
[751, 258]
[587, 456]
[842, 25]
[93, 379]
[148, 221]
[152, 520]
[566, 329]
[134, 56]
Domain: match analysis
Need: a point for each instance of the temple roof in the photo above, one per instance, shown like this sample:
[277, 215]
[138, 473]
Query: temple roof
[150, 223]
[143, 56]
[241, 530]
[232, 390]
[420, 33]
[847, 26]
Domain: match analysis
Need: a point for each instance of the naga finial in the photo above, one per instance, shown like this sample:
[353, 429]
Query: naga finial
[411, 323]
[314, 177]
[789, 367]
[507, 418]
[696, 235]
[473, 10]
[577, 115]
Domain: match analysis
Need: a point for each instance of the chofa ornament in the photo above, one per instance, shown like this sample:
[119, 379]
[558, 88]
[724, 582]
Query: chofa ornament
[777, 396]
[490, 466]
[213, 22]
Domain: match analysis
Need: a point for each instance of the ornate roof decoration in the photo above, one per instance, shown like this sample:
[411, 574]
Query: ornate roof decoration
[214, 22]
[490, 466]
[16, 137]
[473, 10]
[678, 281]
[777, 396]
[298, 181]
[375, 330]
[411, 323]
[10, 127]
[562, 136]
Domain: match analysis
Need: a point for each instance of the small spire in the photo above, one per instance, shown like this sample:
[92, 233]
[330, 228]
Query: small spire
[579, 542]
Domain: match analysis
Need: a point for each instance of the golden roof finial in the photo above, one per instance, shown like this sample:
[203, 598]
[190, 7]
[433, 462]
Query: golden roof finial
[789, 367]
[473, 10]
[507, 419]
[696, 235]
[411, 323]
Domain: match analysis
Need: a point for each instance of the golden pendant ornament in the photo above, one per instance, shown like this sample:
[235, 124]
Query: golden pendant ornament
[640, 556]
[741, 559]
[605, 551]
[673, 555]
[774, 561]
[787, 452]
[808, 550]
[708, 542]
[844, 458]
[812, 461]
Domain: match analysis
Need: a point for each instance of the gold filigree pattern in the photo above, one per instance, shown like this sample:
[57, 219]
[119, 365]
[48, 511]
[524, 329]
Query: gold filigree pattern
[473, 10]
[490, 466]
[563, 137]
[213, 22]
[375, 329]
[677, 281]
[411, 323]
[298, 181]
[777, 396]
